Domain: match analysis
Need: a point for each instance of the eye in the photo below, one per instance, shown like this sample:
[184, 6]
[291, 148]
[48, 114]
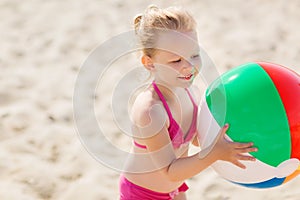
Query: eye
[176, 61]
[195, 56]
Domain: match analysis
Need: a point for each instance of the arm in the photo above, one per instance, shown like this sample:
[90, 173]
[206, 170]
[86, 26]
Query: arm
[220, 149]
[160, 148]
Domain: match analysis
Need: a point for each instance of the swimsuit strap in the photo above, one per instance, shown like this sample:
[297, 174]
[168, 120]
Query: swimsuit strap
[163, 100]
[174, 129]
[195, 111]
[191, 97]
[193, 126]
[139, 145]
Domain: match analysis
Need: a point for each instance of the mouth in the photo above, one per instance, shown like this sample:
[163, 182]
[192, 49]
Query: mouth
[187, 78]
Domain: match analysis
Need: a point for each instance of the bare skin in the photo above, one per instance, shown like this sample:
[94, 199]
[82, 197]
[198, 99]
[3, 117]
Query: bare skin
[173, 166]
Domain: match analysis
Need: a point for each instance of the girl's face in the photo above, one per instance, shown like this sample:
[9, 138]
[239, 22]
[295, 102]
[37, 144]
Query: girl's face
[177, 60]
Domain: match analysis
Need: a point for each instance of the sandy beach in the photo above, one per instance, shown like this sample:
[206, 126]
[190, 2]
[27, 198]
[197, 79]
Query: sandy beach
[43, 47]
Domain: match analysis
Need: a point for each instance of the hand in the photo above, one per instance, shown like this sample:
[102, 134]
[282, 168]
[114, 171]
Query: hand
[222, 149]
[232, 151]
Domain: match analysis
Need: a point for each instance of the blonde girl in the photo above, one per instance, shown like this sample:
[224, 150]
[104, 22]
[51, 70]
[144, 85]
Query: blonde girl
[164, 115]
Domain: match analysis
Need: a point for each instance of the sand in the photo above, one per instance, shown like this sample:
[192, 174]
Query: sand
[43, 46]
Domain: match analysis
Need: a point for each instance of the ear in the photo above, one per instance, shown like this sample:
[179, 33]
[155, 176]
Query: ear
[147, 62]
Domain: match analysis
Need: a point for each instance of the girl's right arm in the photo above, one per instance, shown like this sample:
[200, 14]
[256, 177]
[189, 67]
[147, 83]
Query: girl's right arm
[152, 125]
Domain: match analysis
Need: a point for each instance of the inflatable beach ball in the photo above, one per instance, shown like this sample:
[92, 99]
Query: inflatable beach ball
[261, 103]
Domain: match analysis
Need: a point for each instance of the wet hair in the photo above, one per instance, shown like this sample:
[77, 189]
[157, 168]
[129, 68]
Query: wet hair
[154, 18]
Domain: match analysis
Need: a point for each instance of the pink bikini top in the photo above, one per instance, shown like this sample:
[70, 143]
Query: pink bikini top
[175, 132]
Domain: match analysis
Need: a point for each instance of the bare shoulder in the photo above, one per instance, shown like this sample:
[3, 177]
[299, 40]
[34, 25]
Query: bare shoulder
[150, 122]
[147, 109]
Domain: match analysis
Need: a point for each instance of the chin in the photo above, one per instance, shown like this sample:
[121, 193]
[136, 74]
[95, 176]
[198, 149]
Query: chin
[185, 84]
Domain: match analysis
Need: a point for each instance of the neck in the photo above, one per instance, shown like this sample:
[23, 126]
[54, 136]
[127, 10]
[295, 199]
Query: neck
[169, 92]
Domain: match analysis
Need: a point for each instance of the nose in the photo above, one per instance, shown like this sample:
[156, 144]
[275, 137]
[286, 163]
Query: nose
[188, 67]
[195, 64]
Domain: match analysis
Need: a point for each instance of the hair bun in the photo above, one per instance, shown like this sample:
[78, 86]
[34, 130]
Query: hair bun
[137, 21]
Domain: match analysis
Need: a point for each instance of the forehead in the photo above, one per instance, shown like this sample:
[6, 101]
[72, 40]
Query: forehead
[180, 43]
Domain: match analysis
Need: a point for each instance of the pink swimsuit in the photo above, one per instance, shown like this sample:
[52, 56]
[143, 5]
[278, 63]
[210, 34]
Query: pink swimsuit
[131, 191]
[175, 131]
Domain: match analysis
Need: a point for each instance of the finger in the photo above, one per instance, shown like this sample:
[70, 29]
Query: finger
[222, 131]
[225, 128]
[239, 164]
[240, 145]
[246, 158]
[221, 134]
[247, 150]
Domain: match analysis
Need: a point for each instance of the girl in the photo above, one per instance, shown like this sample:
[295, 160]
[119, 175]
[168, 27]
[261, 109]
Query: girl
[164, 115]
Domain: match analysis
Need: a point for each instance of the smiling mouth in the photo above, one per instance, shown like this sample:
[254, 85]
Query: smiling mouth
[188, 77]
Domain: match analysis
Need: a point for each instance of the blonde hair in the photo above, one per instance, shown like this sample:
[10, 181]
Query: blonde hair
[172, 18]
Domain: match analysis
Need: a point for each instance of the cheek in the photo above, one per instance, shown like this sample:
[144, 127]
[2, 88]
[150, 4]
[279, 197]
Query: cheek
[198, 67]
[197, 62]
[169, 70]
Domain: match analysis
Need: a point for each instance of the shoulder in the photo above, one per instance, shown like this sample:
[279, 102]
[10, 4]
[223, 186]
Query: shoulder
[147, 110]
[150, 121]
